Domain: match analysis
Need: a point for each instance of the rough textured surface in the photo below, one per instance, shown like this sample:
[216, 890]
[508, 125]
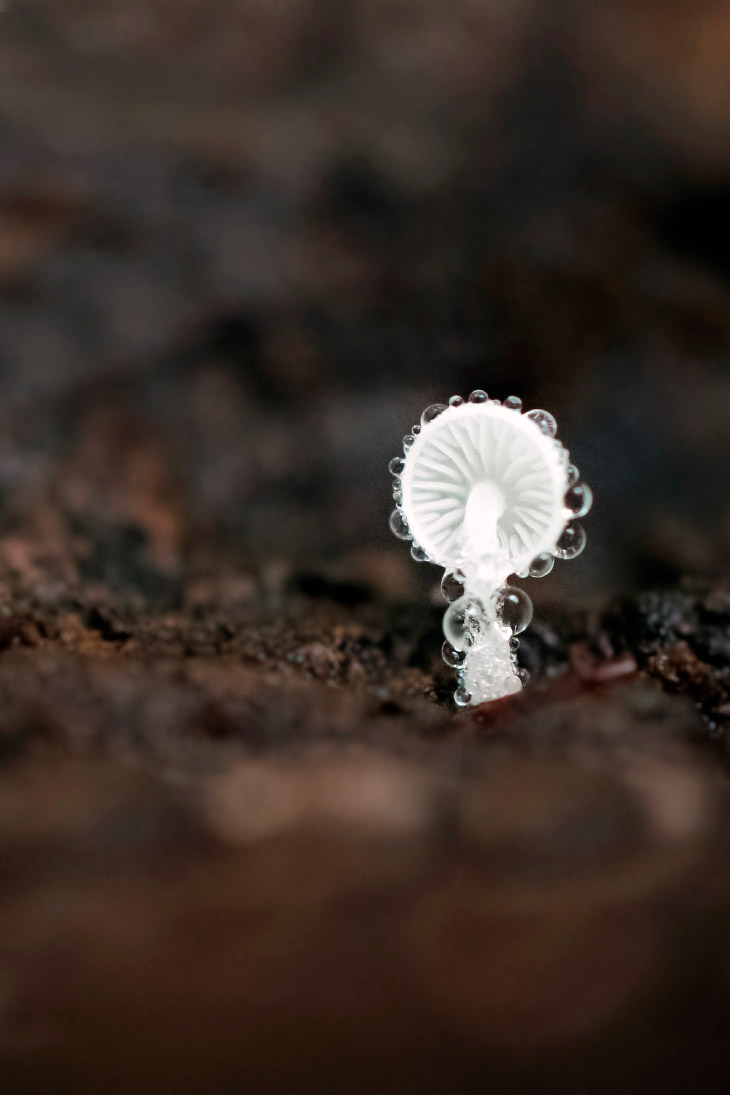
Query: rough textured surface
[246, 843]
[273, 854]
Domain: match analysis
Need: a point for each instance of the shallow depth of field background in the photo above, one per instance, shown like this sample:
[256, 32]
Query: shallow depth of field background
[247, 843]
[243, 245]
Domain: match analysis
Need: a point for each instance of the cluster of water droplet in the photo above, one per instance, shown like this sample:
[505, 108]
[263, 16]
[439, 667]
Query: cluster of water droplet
[481, 624]
[398, 521]
[481, 642]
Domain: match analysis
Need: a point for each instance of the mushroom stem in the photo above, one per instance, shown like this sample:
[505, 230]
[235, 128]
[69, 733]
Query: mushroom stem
[484, 507]
[489, 671]
[484, 556]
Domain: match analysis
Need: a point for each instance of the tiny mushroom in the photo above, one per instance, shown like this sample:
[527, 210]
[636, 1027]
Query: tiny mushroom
[485, 491]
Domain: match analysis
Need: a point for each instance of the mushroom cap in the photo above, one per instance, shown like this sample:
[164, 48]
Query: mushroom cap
[482, 480]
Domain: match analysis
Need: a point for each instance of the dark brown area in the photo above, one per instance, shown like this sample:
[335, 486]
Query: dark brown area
[246, 841]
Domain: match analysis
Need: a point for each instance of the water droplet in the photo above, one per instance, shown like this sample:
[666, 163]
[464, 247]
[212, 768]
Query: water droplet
[456, 401]
[464, 621]
[514, 608]
[524, 675]
[399, 525]
[452, 585]
[478, 396]
[454, 658]
[408, 440]
[513, 402]
[511, 685]
[571, 542]
[514, 644]
[541, 565]
[462, 697]
[398, 497]
[397, 484]
[396, 465]
[544, 421]
[432, 412]
[415, 430]
[579, 499]
[419, 553]
[573, 474]
[523, 573]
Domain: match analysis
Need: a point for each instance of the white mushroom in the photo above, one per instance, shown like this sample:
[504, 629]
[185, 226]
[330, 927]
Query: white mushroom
[486, 491]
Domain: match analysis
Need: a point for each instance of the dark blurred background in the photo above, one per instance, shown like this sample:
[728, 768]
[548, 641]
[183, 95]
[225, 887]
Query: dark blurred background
[243, 243]
[246, 842]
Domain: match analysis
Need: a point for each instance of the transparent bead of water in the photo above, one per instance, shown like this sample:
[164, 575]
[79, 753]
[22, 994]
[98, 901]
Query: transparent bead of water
[464, 622]
[514, 644]
[415, 430]
[396, 465]
[573, 475]
[513, 402]
[544, 421]
[456, 401]
[452, 585]
[571, 542]
[432, 412]
[399, 525]
[514, 608]
[541, 565]
[408, 441]
[453, 657]
[579, 499]
[511, 685]
[462, 696]
[478, 396]
[398, 497]
[419, 553]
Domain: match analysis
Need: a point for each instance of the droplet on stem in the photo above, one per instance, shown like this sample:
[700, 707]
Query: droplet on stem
[462, 696]
[464, 622]
[452, 585]
[514, 608]
[453, 657]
